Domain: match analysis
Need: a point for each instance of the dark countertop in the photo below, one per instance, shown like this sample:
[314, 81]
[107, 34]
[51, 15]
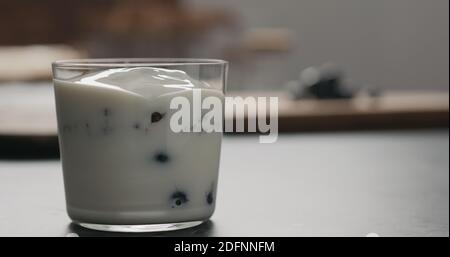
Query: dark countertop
[393, 183]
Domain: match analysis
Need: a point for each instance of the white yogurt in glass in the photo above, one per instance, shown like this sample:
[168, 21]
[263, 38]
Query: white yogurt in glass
[122, 163]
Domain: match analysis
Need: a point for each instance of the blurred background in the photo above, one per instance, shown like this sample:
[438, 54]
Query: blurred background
[336, 65]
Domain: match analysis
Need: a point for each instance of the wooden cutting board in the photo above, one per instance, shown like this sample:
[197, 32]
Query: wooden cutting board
[392, 110]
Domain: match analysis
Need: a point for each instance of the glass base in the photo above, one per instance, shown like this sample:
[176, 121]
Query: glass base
[141, 228]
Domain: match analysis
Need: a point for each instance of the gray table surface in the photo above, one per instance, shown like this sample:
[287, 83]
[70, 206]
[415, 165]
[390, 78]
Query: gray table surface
[392, 183]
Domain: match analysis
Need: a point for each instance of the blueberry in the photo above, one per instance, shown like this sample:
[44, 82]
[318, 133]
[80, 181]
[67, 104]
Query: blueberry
[178, 198]
[161, 157]
[209, 198]
[156, 116]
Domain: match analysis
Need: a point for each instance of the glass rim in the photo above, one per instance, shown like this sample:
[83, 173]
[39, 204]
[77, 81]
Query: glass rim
[134, 62]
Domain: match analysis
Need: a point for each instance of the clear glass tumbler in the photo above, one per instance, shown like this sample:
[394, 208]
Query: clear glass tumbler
[125, 168]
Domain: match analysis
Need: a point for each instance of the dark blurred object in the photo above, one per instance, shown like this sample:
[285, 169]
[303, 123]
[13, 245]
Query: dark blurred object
[324, 82]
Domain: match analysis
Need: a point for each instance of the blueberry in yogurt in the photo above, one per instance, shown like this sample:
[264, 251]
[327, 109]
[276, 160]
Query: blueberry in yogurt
[178, 198]
[209, 198]
[161, 157]
[156, 116]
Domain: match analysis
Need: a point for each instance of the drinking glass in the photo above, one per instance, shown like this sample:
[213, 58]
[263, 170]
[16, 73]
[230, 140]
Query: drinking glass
[125, 169]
